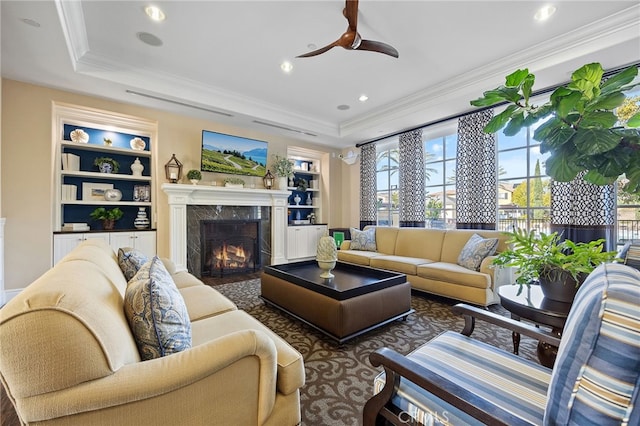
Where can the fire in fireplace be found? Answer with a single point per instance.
(229, 247)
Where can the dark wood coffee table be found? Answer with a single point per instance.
(357, 300)
(532, 305)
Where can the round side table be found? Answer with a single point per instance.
(531, 304)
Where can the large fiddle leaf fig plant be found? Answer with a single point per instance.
(582, 131)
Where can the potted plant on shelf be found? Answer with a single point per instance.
(582, 132)
(302, 185)
(283, 169)
(108, 217)
(234, 182)
(559, 266)
(106, 165)
(194, 176)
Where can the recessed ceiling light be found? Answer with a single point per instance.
(311, 46)
(155, 13)
(363, 98)
(149, 39)
(544, 13)
(31, 22)
(343, 107)
(286, 66)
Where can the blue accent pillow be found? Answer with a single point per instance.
(156, 312)
(475, 250)
(130, 261)
(363, 240)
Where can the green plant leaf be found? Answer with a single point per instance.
(567, 103)
(634, 121)
(617, 81)
(558, 137)
(515, 124)
(590, 72)
(599, 120)
(516, 78)
(499, 121)
(595, 141)
(527, 87)
(560, 167)
(596, 178)
(609, 101)
(547, 128)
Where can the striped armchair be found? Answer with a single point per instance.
(456, 380)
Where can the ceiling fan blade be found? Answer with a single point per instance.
(319, 51)
(378, 46)
(351, 13)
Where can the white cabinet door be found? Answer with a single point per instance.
(302, 241)
(295, 238)
(64, 243)
(145, 241)
(315, 233)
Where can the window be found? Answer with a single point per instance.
(387, 181)
(440, 176)
(524, 189)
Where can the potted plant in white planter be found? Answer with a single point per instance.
(283, 169)
(194, 176)
(559, 266)
(106, 165)
(234, 182)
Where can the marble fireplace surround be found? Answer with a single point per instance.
(180, 196)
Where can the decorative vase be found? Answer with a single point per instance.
(137, 167)
(560, 286)
(297, 199)
(141, 221)
(105, 168)
(291, 181)
(112, 195)
(309, 200)
(282, 183)
(326, 255)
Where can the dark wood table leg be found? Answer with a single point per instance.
(547, 353)
(515, 336)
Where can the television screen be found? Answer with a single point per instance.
(233, 154)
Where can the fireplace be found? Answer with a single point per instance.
(229, 247)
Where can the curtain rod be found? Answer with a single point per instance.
(462, 114)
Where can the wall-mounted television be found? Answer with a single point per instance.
(233, 154)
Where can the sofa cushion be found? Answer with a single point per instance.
(357, 256)
(290, 363)
(632, 256)
(156, 312)
(130, 261)
(184, 279)
(404, 265)
(420, 243)
(363, 240)
(203, 301)
(476, 249)
(450, 272)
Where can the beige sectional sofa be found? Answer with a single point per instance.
(68, 356)
(429, 259)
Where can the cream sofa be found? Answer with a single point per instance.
(67, 355)
(429, 259)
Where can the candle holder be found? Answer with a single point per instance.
(173, 169)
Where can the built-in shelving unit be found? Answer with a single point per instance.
(123, 138)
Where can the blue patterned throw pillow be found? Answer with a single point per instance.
(475, 250)
(130, 261)
(156, 312)
(363, 240)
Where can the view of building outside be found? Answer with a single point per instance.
(440, 181)
(388, 182)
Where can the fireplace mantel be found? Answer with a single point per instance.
(182, 195)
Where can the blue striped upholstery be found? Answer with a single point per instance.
(506, 380)
(632, 256)
(596, 379)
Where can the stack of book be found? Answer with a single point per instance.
(75, 227)
(69, 192)
(70, 162)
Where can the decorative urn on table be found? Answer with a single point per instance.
(327, 255)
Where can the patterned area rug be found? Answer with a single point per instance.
(339, 378)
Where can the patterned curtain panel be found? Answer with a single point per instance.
(368, 187)
(476, 175)
(582, 211)
(412, 179)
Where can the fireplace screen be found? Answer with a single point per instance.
(230, 247)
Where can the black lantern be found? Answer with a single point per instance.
(173, 169)
(268, 180)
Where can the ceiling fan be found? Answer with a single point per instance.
(351, 39)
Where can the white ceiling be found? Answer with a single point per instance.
(225, 56)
